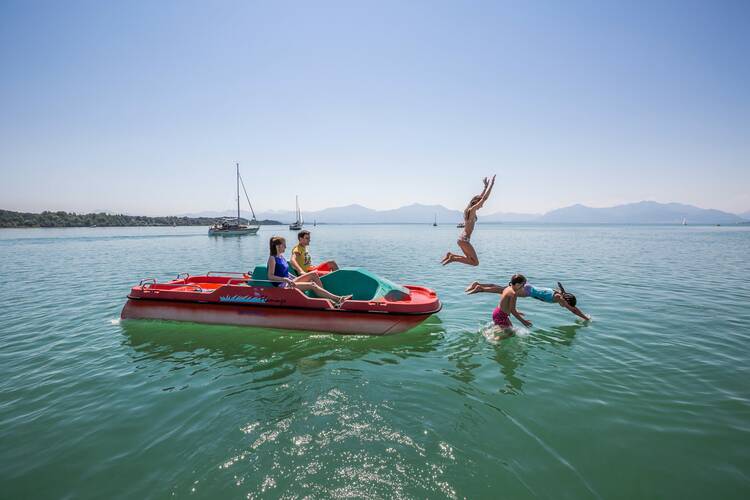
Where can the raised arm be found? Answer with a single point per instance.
(485, 194)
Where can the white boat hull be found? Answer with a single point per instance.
(232, 232)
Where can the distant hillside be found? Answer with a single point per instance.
(644, 212)
(509, 217)
(745, 215)
(357, 214)
(70, 219)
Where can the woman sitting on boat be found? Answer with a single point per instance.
(278, 274)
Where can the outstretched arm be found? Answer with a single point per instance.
(575, 310)
(518, 314)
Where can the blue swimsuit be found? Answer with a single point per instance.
(281, 270)
(543, 294)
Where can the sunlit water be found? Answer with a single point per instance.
(651, 399)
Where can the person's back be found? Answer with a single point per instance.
(539, 293)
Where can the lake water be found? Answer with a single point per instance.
(651, 399)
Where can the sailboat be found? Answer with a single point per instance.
(297, 225)
(229, 226)
(684, 221)
(434, 224)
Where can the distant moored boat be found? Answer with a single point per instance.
(297, 224)
(232, 226)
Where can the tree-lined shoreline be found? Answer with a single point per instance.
(10, 219)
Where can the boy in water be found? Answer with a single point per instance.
(518, 287)
(507, 304)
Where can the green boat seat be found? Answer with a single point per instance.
(259, 277)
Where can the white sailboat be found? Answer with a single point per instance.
(229, 226)
(684, 221)
(297, 225)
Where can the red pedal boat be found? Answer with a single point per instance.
(377, 307)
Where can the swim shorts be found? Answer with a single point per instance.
(501, 319)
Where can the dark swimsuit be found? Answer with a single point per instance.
(281, 270)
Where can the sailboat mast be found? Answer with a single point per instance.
(238, 194)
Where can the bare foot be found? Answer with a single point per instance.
(337, 304)
(473, 284)
(444, 260)
(448, 259)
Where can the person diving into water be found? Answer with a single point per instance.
(518, 287)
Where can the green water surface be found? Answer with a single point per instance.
(651, 399)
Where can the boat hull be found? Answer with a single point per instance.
(232, 232)
(248, 300)
(329, 321)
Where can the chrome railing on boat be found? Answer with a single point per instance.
(147, 283)
(225, 273)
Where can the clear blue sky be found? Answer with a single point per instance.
(143, 107)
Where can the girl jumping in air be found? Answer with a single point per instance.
(470, 218)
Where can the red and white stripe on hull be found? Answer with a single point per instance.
(334, 321)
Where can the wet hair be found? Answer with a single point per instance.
(570, 299)
(567, 297)
(275, 240)
(302, 234)
(517, 279)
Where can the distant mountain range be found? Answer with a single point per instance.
(644, 212)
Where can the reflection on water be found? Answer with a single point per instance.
(308, 412)
(511, 353)
(470, 352)
(260, 349)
